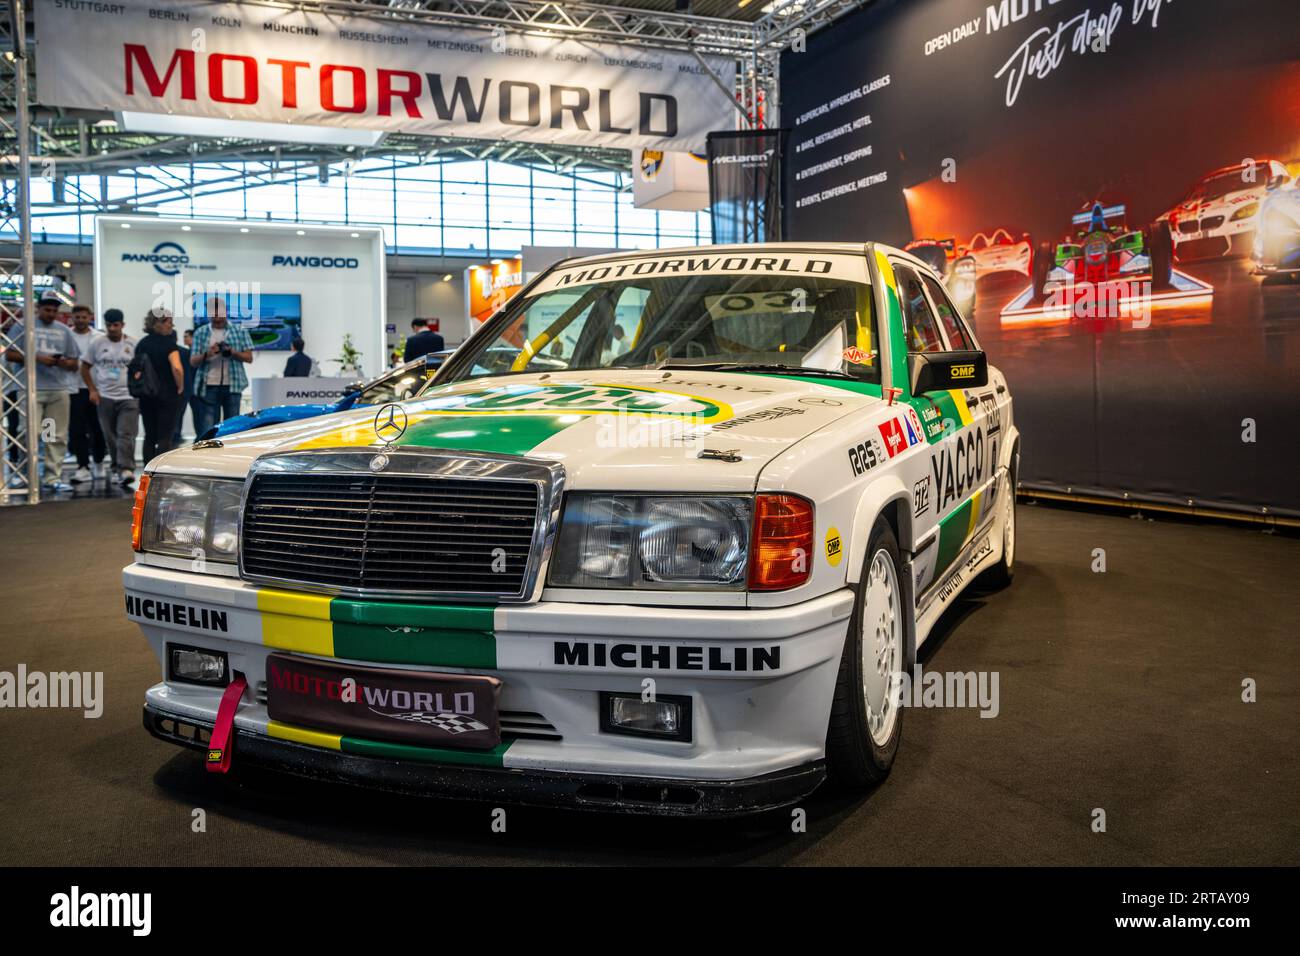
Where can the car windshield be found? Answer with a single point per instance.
(393, 387)
(781, 324)
(1221, 185)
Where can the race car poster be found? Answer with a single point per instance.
(1110, 191)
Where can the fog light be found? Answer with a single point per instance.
(193, 665)
(665, 717)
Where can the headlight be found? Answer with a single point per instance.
(192, 517)
(654, 542)
(1246, 211)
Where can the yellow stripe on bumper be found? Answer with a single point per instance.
(301, 735)
(296, 622)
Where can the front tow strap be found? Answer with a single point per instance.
(222, 743)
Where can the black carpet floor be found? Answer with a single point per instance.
(1119, 691)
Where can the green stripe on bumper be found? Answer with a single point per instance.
(437, 635)
(477, 758)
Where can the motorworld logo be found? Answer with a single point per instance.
(316, 262)
(167, 257)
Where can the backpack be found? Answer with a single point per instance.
(142, 378)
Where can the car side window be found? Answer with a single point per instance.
(958, 338)
(920, 322)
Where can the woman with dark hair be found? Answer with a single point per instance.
(158, 413)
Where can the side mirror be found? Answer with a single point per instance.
(939, 371)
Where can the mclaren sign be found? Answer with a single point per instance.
(279, 65)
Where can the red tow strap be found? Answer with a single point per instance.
(223, 741)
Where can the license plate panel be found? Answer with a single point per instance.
(461, 711)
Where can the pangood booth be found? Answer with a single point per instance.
(280, 281)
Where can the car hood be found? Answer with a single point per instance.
(622, 429)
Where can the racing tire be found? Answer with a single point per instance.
(1001, 574)
(866, 722)
(1160, 250)
(1044, 259)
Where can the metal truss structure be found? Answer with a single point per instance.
(57, 143)
(18, 443)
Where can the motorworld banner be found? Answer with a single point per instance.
(281, 65)
(1109, 188)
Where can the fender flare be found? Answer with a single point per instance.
(881, 493)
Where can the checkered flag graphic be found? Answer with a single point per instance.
(448, 723)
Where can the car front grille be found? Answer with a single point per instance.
(401, 534)
(1189, 226)
(1211, 222)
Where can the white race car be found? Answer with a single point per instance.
(1221, 206)
(662, 536)
(999, 252)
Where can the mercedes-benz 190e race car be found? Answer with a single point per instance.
(671, 558)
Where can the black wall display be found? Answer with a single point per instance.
(745, 179)
(1110, 191)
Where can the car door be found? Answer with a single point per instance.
(937, 421)
(975, 457)
(947, 490)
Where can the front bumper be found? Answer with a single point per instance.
(603, 792)
(757, 730)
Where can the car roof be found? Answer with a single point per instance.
(834, 248)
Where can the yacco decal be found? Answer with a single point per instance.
(438, 635)
(390, 751)
(528, 415)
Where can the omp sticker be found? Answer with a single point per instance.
(834, 547)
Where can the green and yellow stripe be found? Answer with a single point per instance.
(436, 635)
(390, 751)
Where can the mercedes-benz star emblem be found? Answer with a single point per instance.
(819, 401)
(390, 423)
(379, 463)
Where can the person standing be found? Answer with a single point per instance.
(103, 369)
(299, 363)
(422, 341)
(187, 397)
(219, 354)
(56, 355)
(158, 412)
(84, 436)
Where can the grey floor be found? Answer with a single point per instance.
(1119, 691)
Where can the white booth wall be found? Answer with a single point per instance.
(347, 297)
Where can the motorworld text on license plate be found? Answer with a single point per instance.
(410, 707)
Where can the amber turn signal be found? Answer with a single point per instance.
(137, 512)
(781, 550)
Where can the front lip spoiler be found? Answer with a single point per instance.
(610, 793)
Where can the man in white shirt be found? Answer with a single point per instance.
(103, 369)
(85, 439)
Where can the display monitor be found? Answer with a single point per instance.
(272, 319)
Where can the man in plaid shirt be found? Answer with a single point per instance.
(219, 353)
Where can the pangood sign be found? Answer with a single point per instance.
(228, 61)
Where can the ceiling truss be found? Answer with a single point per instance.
(81, 142)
